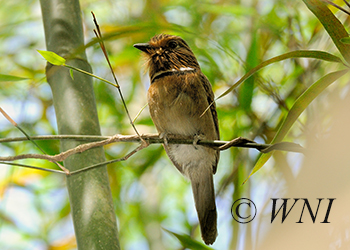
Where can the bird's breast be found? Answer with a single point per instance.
(173, 109)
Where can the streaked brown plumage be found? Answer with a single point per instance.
(178, 95)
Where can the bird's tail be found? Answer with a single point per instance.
(204, 197)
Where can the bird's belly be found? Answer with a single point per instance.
(190, 159)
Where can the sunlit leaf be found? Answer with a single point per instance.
(52, 57)
(321, 55)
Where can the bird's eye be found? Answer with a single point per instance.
(172, 44)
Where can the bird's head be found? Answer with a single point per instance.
(167, 52)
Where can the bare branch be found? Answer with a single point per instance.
(154, 138)
(145, 140)
(111, 161)
(28, 137)
(33, 167)
(56, 137)
(98, 34)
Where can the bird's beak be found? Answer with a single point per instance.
(145, 47)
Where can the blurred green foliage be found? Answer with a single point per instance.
(229, 38)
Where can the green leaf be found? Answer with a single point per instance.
(71, 74)
(188, 242)
(332, 25)
(298, 107)
(321, 55)
(9, 78)
(52, 58)
(245, 93)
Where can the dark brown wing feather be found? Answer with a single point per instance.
(210, 98)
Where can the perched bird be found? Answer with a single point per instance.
(178, 96)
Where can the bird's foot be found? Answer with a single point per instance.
(196, 139)
(164, 136)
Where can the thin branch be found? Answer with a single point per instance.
(62, 156)
(346, 2)
(111, 161)
(79, 170)
(100, 40)
(90, 74)
(153, 138)
(139, 113)
(33, 167)
(145, 140)
(8, 117)
(56, 137)
(337, 6)
(28, 137)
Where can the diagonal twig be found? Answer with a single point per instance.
(111, 161)
(337, 6)
(98, 34)
(28, 137)
(347, 4)
(33, 167)
(153, 138)
(150, 139)
(56, 137)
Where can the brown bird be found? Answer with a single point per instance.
(178, 96)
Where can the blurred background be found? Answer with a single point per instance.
(228, 38)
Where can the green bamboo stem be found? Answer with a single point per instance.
(74, 101)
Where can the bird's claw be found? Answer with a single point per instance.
(164, 136)
(196, 139)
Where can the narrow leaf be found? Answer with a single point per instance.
(298, 107)
(9, 78)
(321, 55)
(246, 91)
(188, 242)
(71, 74)
(332, 25)
(52, 58)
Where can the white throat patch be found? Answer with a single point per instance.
(171, 70)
